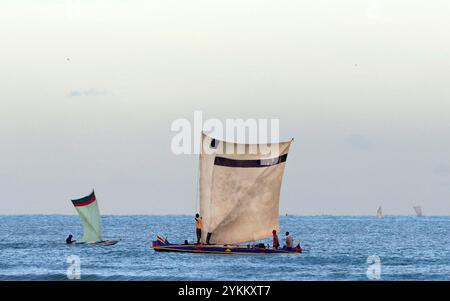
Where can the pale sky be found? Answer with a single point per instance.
(88, 93)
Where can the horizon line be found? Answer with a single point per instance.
(185, 214)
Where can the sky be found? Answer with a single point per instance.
(89, 89)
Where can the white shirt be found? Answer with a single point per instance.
(289, 241)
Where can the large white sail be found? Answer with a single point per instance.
(418, 210)
(239, 193)
(380, 212)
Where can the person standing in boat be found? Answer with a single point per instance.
(289, 241)
(275, 242)
(198, 227)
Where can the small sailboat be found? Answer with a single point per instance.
(380, 212)
(418, 210)
(239, 199)
(87, 208)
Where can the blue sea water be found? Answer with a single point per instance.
(336, 248)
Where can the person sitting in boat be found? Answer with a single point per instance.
(289, 241)
(198, 227)
(69, 240)
(275, 242)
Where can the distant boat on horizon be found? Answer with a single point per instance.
(418, 210)
(380, 212)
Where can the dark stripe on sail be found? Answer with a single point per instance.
(85, 201)
(220, 161)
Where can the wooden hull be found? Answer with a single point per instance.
(100, 243)
(220, 249)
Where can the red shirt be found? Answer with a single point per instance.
(275, 240)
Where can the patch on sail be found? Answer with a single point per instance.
(214, 143)
(221, 161)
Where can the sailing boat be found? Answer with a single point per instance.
(379, 213)
(418, 210)
(87, 208)
(239, 198)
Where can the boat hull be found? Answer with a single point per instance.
(100, 243)
(220, 249)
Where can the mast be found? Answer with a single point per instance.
(197, 177)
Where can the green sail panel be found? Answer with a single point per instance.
(89, 213)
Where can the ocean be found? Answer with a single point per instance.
(32, 247)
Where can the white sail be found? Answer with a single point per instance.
(239, 193)
(89, 213)
(418, 210)
(380, 212)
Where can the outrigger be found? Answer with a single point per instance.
(239, 193)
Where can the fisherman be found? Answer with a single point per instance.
(276, 242)
(69, 240)
(289, 241)
(198, 227)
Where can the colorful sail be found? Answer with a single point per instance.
(89, 213)
(379, 212)
(239, 192)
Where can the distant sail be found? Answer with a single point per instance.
(89, 213)
(380, 212)
(418, 210)
(239, 193)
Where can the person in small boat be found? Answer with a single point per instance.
(69, 239)
(289, 241)
(275, 242)
(198, 227)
